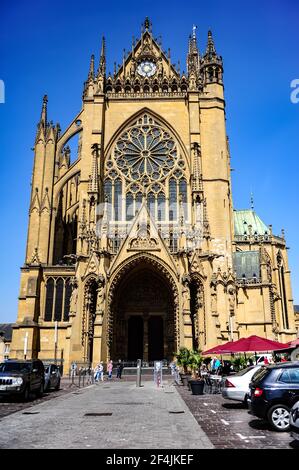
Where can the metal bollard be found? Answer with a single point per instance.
(138, 376)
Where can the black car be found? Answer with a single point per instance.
(21, 378)
(273, 391)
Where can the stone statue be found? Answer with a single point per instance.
(186, 297)
(73, 300)
(160, 67)
(199, 298)
(100, 298)
(214, 303)
(231, 299)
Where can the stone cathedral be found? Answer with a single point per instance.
(134, 247)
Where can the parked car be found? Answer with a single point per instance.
(260, 359)
(274, 389)
(294, 421)
(52, 376)
(21, 378)
(236, 387)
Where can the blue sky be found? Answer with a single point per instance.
(45, 47)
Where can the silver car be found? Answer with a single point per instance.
(52, 376)
(236, 387)
(294, 421)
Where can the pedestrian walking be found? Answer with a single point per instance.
(119, 369)
(109, 369)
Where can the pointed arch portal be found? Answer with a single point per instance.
(143, 315)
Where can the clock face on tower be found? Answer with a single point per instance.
(146, 69)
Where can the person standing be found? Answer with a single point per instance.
(73, 369)
(96, 373)
(101, 371)
(109, 369)
(217, 365)
(119, 369)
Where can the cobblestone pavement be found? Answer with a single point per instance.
(9, 406)
(114, 415)
(229, 425)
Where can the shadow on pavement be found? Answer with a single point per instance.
(260, 424)
(294, 444)
(234, 406)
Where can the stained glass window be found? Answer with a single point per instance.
(145, 159)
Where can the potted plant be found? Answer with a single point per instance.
(183, 360)
(239, 363)
(196, 384)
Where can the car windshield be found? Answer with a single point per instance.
(15, 367)
(243, 371)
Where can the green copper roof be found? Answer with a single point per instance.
(248, 217)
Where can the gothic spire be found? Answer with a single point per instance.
(43, 117)
(210, 50)
(193, 57)
(147, 24)
(212, 63)
(102, 63)
(93, 181)
(91, 69)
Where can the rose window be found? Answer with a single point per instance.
(145, 162)
(145, 150)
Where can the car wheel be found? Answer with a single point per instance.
(57, 386)
(40, 391)
(279, 417)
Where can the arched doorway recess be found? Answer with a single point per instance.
(143, 315)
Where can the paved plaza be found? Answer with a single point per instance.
(113, 415)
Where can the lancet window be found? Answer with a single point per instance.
(57, 303)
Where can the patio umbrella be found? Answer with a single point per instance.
(251, 344)
(292, 344)
(218, 349)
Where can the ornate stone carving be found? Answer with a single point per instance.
(186, 297)
(74, 298)
(143, 240)
(231, 299)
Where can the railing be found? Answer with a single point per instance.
(147, 95)
(249, 281)
(258, 238)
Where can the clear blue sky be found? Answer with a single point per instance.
(45, 47)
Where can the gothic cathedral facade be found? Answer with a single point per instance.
(134, 248)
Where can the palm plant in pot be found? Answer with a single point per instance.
(197, 382)
(183, 361)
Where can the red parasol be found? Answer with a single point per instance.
(292, 344)
(251, 344)
(218, 349)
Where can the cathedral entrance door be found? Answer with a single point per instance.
(143, 317)
(155, 338)
(135, 338)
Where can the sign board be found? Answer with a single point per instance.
(158, 373)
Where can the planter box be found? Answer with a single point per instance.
(196, 387)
